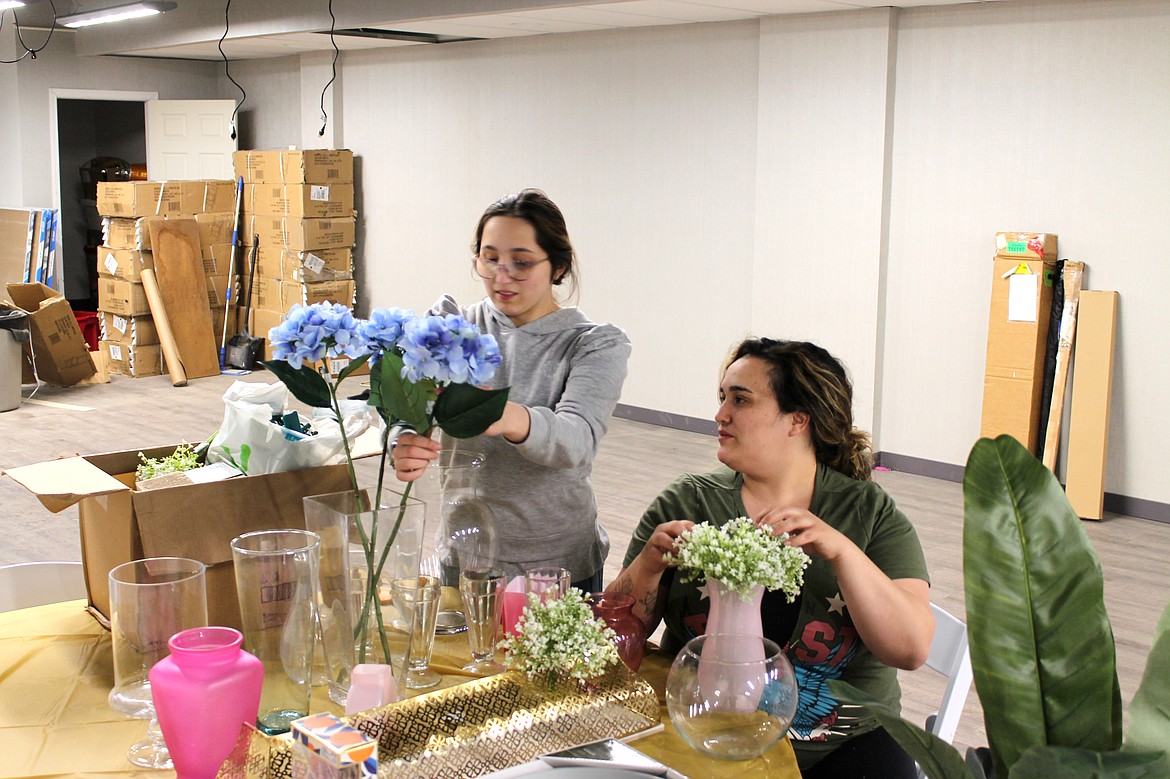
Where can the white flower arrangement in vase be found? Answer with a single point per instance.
(561, 635)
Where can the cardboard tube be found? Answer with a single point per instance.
(170, 348)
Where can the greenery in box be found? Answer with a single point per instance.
(1042, 649)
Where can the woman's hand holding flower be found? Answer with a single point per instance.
(412, 454)
(806, 531)
(653, 558)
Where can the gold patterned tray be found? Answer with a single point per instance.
(478, 727)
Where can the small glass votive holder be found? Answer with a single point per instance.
(547, 582)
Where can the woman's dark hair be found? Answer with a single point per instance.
(535, 208)
(808, 379)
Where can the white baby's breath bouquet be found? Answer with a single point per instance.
(741, 556)
(562, 635)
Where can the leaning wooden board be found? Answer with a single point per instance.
(178, 264)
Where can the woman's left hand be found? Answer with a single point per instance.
(514, 425)
(805, 530)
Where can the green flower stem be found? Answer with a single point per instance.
(362, 627)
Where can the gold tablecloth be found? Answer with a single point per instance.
(56, 671)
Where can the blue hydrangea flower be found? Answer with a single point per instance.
(448, 350)
(309, 333)
(383, 329)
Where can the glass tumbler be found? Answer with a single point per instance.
(547, 582)
(277, 586)
(482, 590)
(417, 599)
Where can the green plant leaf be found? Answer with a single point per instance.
(1041, 645)
(353, 366)
(304, 383)
(464, 411)
(397, 399)
(1149, 711)
(1072, 763)
(936, 758)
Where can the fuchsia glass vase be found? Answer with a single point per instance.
(203, 692)
(615, 609)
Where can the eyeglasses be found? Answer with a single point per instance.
(517, 270)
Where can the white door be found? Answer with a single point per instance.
(189, 139)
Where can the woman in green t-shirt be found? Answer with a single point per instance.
(795, 464)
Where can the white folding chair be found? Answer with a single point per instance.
(949, 656)
(24, 585)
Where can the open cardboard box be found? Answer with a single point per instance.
(119, 523)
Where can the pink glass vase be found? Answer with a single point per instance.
(615, 609)
(203, 692)
(734, 660)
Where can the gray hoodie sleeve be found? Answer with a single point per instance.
(568, 434)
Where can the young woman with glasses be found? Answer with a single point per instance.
(565, 373)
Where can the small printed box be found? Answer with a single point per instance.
(324, 747)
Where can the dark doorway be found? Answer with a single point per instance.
(88, 129)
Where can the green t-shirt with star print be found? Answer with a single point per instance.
(824, 644)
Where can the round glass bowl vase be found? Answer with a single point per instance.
(731, 696)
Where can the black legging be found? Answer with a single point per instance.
(874, 755)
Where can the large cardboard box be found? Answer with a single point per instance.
(290, 166)
(131, 359)
(123, 263)
(59, 350)
(299, 200)
(208, 195)
(127, 232)
(273, 262)
(276, 295)
(138, 198)
(128, 329)
(118, 296)
(1021, 299)
(120, 523)
(215, 228)
(298, 235)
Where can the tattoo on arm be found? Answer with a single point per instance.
(623, 585)
(649, 603)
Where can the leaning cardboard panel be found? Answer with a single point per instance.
(119, 523)
(1021, 298)
(59, 349)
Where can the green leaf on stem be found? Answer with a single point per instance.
(465, 411)
(1149, 712)
(1049, 762)
(353, 366)
(306, 385)
(397, 399)
(1042, 648)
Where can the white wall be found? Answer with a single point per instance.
(1031, 116)
(835, 177)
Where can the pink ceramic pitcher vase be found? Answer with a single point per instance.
(730, 619)
(203, 692)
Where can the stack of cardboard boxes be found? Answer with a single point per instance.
(299, 216)
(129, 338)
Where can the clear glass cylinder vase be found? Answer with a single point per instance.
(363, 549)
(466, 535)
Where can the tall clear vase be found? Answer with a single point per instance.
(466, 535)
(356, 541)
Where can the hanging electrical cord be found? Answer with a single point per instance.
(29, 51)
(336, 51)
(226, 67)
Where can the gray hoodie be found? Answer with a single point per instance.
(568, 371)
